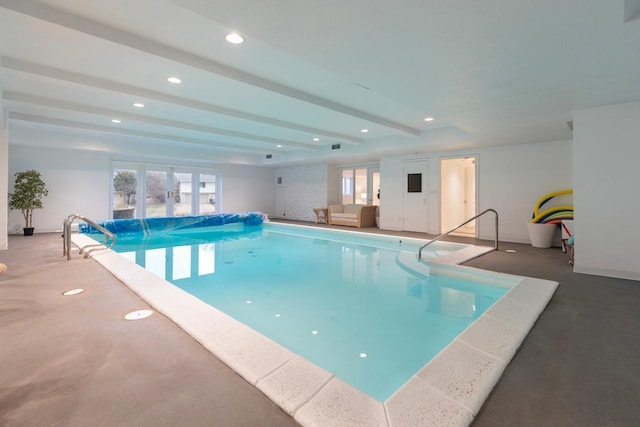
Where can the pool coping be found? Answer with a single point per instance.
(449, 390)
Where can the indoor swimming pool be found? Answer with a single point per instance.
(345, 303)
(335, 326)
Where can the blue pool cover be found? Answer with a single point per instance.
(149, 225)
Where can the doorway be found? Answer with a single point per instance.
(458, 195)
(373, 186)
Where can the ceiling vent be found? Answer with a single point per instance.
(335, 147)
(269, 156)
(570, 124)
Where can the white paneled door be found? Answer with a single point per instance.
(415, 200)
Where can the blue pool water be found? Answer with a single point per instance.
(340, 300)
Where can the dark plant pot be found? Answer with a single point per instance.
(28, 231)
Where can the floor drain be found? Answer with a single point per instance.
(137, 315)
(73, 292)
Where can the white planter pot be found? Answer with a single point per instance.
(541, 235)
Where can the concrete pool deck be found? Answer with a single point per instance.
(449, 390)
(67, 356)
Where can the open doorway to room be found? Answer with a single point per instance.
(374, 187)
(458, 194)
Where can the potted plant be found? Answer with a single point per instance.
(28, 191)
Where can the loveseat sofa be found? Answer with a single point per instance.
(352, 215)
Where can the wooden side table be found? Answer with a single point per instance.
(321, 214)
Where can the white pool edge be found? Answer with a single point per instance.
(450, 389)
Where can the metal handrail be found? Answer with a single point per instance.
(462, 225)
(66, 236)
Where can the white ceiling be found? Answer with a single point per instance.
(491, 72)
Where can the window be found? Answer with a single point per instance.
(414, 183)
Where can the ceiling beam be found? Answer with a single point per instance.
(89, 109)
(105, 32)
(32, 118)
(104, 84)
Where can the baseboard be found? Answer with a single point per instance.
(606, 272)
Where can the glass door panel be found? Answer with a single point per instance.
(207, 194)
(361, 187)
(347, 186)
(182, 192)
(156, 191)
(125, 183)
(358, 186)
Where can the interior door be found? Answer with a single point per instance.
(415, 200)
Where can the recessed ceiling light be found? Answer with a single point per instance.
(428, 119)
(116, 121)
(364, 130)
(278, 146)
(234, 38)
(174, 80)
(316, 139)
(138, 104)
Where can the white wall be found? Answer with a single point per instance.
(4, 179)
(306, 187)
(334, 183)
(510, 180)
(607, 190)
(78, 182)
(247, 188)
(391, 190)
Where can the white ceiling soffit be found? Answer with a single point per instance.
(313, 74)
(631, 10)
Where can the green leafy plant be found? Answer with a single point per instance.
(125, 181)
(28, 191)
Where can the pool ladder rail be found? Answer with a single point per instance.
(459, 226)
(86, 249)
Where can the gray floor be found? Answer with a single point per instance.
(73, 361)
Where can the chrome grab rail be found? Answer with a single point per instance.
(462, 225)
(66, 236)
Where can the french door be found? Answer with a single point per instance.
(361, 186)
(158, 194)
(147, 191)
